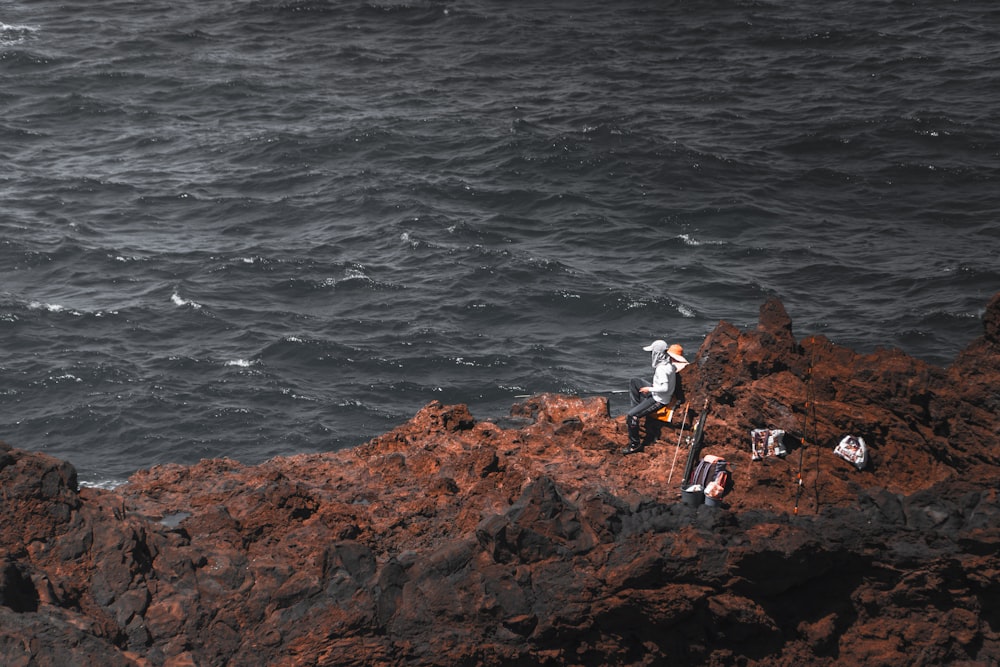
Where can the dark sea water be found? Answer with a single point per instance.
(260, 228)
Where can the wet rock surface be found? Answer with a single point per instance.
(453, 541)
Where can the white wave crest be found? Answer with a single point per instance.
(354, 273)
(180, 301)
(692, 241)
(52, 308)
(106, 484)
(15, 34)
(59, 308)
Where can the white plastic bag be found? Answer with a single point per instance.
(853, 450)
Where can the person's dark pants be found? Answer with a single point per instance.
(642, 405)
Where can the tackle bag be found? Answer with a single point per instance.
(853, 450)
(712, 474)
(767, 442)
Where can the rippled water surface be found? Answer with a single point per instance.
(249, 229)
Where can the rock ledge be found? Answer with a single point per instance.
(450, 541)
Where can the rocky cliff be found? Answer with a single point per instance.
(452, 541)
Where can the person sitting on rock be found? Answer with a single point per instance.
(648, 398)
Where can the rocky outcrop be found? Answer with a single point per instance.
(453, 541)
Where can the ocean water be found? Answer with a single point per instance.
(259, 228)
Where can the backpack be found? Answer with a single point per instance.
(712, 474)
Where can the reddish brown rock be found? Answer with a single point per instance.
(454, 541)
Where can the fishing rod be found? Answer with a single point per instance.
(810, 404)
(695, 445)
(583, 393)
(678, 448)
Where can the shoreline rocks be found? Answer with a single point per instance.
(455, 541)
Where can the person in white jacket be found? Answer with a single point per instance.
(648, 398)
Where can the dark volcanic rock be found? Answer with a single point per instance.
(451, 541)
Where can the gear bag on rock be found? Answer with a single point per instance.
(767, 442)
(712, 474)
(853, 450)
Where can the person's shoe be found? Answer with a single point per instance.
(633, 448)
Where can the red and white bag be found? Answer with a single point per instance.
(712, 474)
